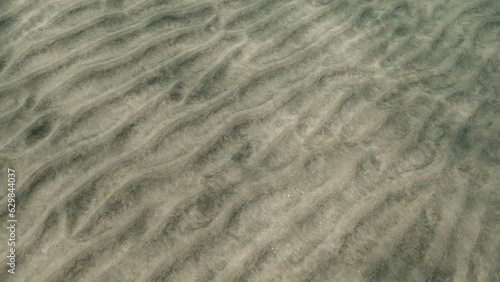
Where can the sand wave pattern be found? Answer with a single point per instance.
(306, 140)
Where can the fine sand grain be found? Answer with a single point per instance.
(251, 140)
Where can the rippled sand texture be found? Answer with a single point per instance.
(252, 140)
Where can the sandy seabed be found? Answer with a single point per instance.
(251, 140)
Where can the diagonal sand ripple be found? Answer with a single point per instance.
(251, 140)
